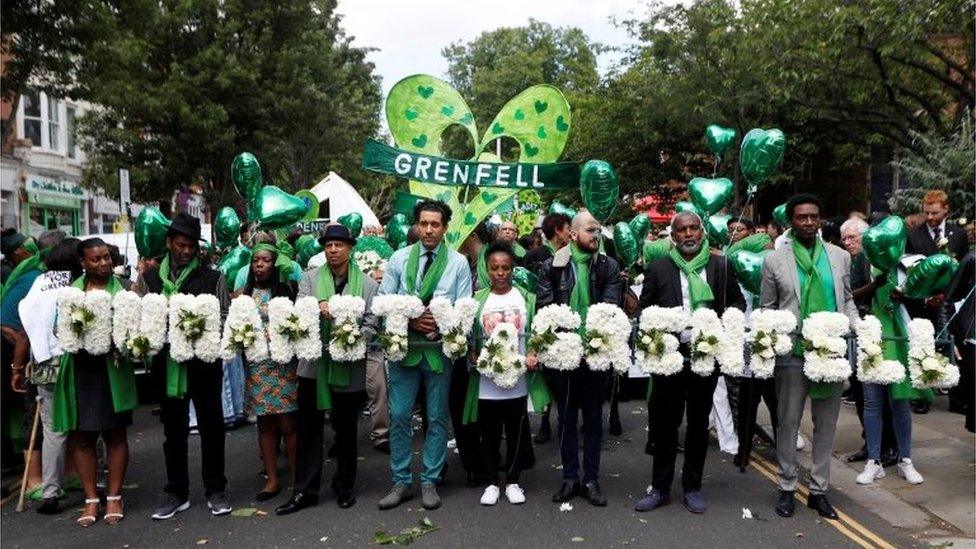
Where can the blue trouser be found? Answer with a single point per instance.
(579, 391)
(901, 420)
(404, 382)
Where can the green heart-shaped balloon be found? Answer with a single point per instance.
(748, 269)
(246, 173)
(761, 154)
(626, 244)
(525, 279)
(273, 208)
(656, 250)
(233, 261)
(640, 225)
(599, 188)
(930, 276)
(719, 139)
(685, 206)
(710, 195)
(352, 221)
(306, 247)
(718, 229)
(150, 232)
(226, 227)
(779, 215)
(396, 230)
(884, 243)
(376, 244)
(560, 208)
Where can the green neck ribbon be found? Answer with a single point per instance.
(579, 299)
(482, 268)
(813, 299)
(175, 371)
(32, 263)
(435, 359)
(699, 292)
(328, 372)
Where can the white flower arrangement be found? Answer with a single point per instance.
(455, 322)
(607, 338)
(194, 327)
(499, 359)
(770, 337)
(871, 364)
(85, 321)
(396, 310)
(139, 324)
(656, 349)
(347, 344)
(555, 339)
(927, 368)
(243, 331)
(369, 261)
(706, 341)
(731, 348)
(824, 347)
(293, 329)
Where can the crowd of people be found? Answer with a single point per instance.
(85, 402)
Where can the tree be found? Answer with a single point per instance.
(182, 87)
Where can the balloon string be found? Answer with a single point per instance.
(953, 317)
(715, 165)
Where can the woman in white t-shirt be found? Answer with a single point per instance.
(498, 409)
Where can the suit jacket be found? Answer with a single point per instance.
(533, 260)
(662, 284)
(920, 241)
(964, 324)
(781, 286)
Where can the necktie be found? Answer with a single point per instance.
(427, 264)
(936, 234)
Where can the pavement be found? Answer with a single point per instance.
(890, 514)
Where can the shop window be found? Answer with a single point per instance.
(53, 124)
(31, 102)
(69, 128)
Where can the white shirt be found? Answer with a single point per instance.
(503, 308)
(942, 231)
(685, 335)
(38, 311)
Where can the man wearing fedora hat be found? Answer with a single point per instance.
(325, 385)
(181, 272)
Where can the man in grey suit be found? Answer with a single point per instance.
(809, 275)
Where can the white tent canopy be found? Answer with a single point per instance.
(343, 199)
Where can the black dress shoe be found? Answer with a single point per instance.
(593, 494)
(786, 505)
(858, 456)
(265, 495)
(48, 507)
(567, 491)
(820, 504)
(297, 502)
(382, 447)
(345, 499)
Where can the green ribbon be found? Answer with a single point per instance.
(175, 371)
(813, 298)
(435, 359)
(32, 263)
(121, 379)
(283, 263)
(579, 299)
(328, 372)
(482, 268)
(699, 292)
(892, 325)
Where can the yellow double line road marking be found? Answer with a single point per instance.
(852, 529)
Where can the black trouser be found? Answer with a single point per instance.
(512, 417)
(204, 385)
(967, 371)
(576, 391)
(467, 437)
(692, 392)
(888, 443)
(346, 409)
(744, 396)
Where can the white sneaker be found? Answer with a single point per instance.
(872, 470)
(907, 470)
(452, 444)
(490, 497)
(515, 494)
(801, 442)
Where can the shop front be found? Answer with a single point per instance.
(53, 204)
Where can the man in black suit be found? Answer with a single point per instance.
(937, 236)
(963, 329)
(690, 278)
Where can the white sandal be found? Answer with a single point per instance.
(117, 516)
(87, 520)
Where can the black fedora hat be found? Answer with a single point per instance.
(186, 225)
(336, 231)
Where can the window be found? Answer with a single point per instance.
(69, 128)
(54, 124)
(32, 117)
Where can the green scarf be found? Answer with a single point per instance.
(435, 359)
(283, 264)
(175, 371)
(482, 268)
(813, 298)
(121, 379)
(549, 245)
(699, 292)
(892, 325)
(656, 250)
(535, 381)
(579, 299)
(32, 263)
(328, 372)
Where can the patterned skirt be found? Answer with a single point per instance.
(271, 388)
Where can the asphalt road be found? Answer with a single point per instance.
(462, 521)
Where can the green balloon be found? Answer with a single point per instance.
(525, 279)
(274, 208)
(560, 208)
(748, 268)
(684, 206)
(599, 188)
(719, 139)
(233, 261)
(710, 195)
(374, 243)
(656, 250)
(884, 243)
(754, 243)
(761, 154)
(931, 276)
(396, 230)
(306, 247)
(779, 215)
(718, 229)
(626, 244)
(640, 225)
(150, 232)
(227, 228)
(246, 173)
(352, 221)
